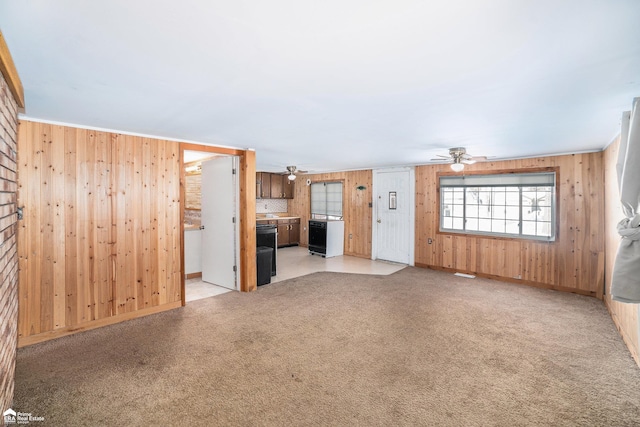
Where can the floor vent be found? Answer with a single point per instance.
(468, 276)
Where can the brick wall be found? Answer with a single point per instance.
(8, 249)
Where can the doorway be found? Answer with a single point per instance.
(393, 216)
(211, 236)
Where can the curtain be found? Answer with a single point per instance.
(625, 283)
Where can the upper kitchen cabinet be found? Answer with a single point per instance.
(273, 186)
(281, 187)
(276, 186)
(263, 185)
(288, 187)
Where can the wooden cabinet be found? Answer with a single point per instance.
(288, 232)
(283, 233)
(276, 186)
(273, 186)
(263, 185)
(294, 231)
(288, 187)
(281, 187)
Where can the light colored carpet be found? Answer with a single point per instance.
(417, 347)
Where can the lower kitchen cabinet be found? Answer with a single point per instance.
(294, 231)
(288, 232)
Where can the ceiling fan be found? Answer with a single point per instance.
(458, 157)
(292, 170)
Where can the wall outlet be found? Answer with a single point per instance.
(350, 236)
(429, 240)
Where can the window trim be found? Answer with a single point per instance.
(327, 181)
(489, 235)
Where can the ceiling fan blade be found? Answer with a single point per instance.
(459, 155)
(479, 158)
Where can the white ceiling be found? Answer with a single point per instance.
(334, 85)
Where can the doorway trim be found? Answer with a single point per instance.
(412, 209)
(247, 212)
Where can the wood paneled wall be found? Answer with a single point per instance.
(625, 316)
(100, 240)
(574, 262)
(355, 208)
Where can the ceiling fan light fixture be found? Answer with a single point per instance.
(292, 173)
(457, 166)
(458, 157)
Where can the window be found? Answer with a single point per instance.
(509, 205)
(326, 200)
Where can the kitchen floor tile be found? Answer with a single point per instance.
(296, 261)
(196, 289)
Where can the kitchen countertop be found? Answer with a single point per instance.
(284, 216)
(196, 226)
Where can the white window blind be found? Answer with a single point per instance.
(500, 180)
(326, 199)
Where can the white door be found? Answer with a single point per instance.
(219, 211)
(393, 216)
